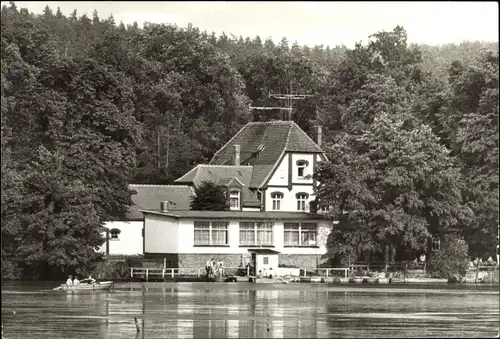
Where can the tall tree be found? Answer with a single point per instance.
(388, 176)
(474, 104)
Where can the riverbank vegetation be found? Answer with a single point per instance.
(90, 105)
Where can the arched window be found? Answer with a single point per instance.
(234, 199)
(302, 201)
(277, 198)
(302, 168)
(114, 234)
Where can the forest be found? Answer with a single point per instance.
(90, 106)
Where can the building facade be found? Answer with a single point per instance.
(124, 237)
(266, 170)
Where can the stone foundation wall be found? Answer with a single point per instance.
(194, 260)
(198, 260)
(307, 261)
(157, 260)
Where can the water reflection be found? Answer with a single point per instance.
(250, 311)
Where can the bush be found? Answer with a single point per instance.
(452, 260)
(10, 270)
(112, 269)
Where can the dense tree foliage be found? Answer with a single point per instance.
(209, 197)
(90, 105)
(453, 260)
(401, 168)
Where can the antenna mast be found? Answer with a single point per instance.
(289, 98)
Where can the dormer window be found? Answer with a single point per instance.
(302, 168)
(277, 198)
(234, 199)
(302, 201)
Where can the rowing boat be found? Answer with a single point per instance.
(101, 286)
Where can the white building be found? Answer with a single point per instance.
(125, 237)
(267, 170)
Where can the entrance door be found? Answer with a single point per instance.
(267, 264)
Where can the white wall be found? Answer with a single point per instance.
(166, 235)
(161, 234)
(270, 268)
(280, 176)
(280, 179)
(289, 202)
(309, 169)
(129, 240)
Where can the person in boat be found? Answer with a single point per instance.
(69, 282)
(88, 280)
(76, 281)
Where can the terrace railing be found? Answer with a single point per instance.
(172, 272)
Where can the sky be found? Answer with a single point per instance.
(308, 23)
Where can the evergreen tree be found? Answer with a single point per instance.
(209, 197)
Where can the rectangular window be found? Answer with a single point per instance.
(264, 233)
(301, 168)
(301, 171)
(297, 234)
(256, 233)
(301, 202)
(308, 235)
(276, 204)
(234, 200)
(247, 233)
(265, 260)
(210, 233)
(219, 233)
(292, 234)
(277, 200)
(436, 244)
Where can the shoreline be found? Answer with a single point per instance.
(324, 282)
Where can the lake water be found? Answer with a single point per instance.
(246, 310)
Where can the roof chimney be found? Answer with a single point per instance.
(319, 135)
(236, 155)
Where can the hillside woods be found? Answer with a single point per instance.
(90, 105)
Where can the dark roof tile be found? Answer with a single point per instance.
(214, 173)
(150, 196)
(223, 175)
(261, 145)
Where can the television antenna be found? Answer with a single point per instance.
(289, 99)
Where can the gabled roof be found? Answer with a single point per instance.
(233, 181)
(262, 144)
(150, 196)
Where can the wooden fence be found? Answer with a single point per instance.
(172, 272)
